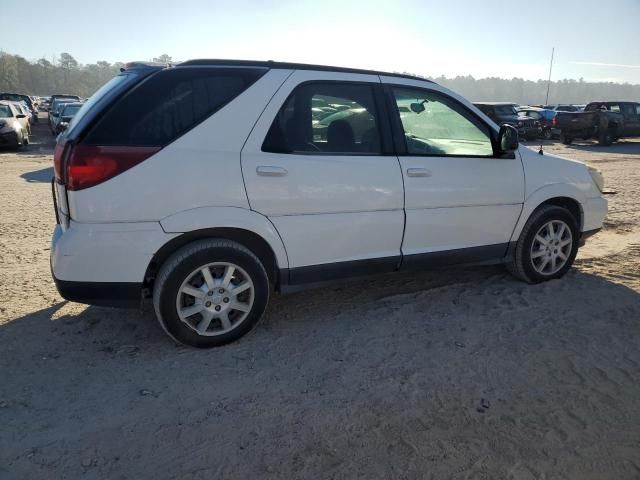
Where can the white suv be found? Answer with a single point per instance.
(208, 185)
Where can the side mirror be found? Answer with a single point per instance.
(21, 115)
(507, 139)
(417, 107)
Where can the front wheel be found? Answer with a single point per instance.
(210, 293)
(566, 139)
(547, 245)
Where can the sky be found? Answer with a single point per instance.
(597, 40)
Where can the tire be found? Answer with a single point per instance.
(547, 134)
(526, 268)
(185, 265)
(566, 139)
(19, 139)
(25, 138)
(606, 137)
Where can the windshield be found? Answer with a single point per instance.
(5, 111)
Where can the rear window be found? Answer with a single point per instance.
(70, 110)
(170, 103)
(505, 110)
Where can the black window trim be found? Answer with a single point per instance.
(382, 122)
(399, 134)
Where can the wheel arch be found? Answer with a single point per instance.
(248, 228)
(251, 240)
(558, 196)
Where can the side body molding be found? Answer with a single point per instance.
(228, 217)
(543, 194)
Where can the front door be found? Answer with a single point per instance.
(459, 196)
(320, 167)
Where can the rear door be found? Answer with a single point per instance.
(459, 196)
(319, 163)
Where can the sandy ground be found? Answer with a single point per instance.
(461, 373)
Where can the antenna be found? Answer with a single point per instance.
(546, 102)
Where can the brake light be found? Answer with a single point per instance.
(89, 165)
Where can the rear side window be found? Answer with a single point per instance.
(170, 103)
(326, 118)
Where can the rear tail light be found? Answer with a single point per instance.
(553, 121)
(89, 165)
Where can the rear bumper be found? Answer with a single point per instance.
(104, 264)
(109, 294)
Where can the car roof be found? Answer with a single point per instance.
(293, 66)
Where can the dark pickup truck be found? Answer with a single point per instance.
(605, 121)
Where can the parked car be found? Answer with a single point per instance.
(563, 108)
(153, 200)
(12, 129)
(54, 112)
(44, 104)
(17, 97)
(543, 119)
(64, 95)
(504, 113)
(67, 112)
(24, 116)
(605, 121)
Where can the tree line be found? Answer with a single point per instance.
(66, 75)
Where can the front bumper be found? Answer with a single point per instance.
(594, 212)
(9, 138)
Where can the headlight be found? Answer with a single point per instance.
(596, 176)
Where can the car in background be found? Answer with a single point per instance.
(25, 115)
(44, 104)
(67, 112)
(504, 113)
(605, 121)
(18, 97)
(563, 108)
(12, 130)
(54, 111)
(542, 117)
(64, 95)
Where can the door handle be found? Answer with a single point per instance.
(270, 171)
(418, 172)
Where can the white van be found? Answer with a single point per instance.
(209, 185)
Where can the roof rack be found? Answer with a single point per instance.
(295, 66)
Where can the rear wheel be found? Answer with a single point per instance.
(210, 292)
(566, 139)
(547, 134)
(547, 245)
